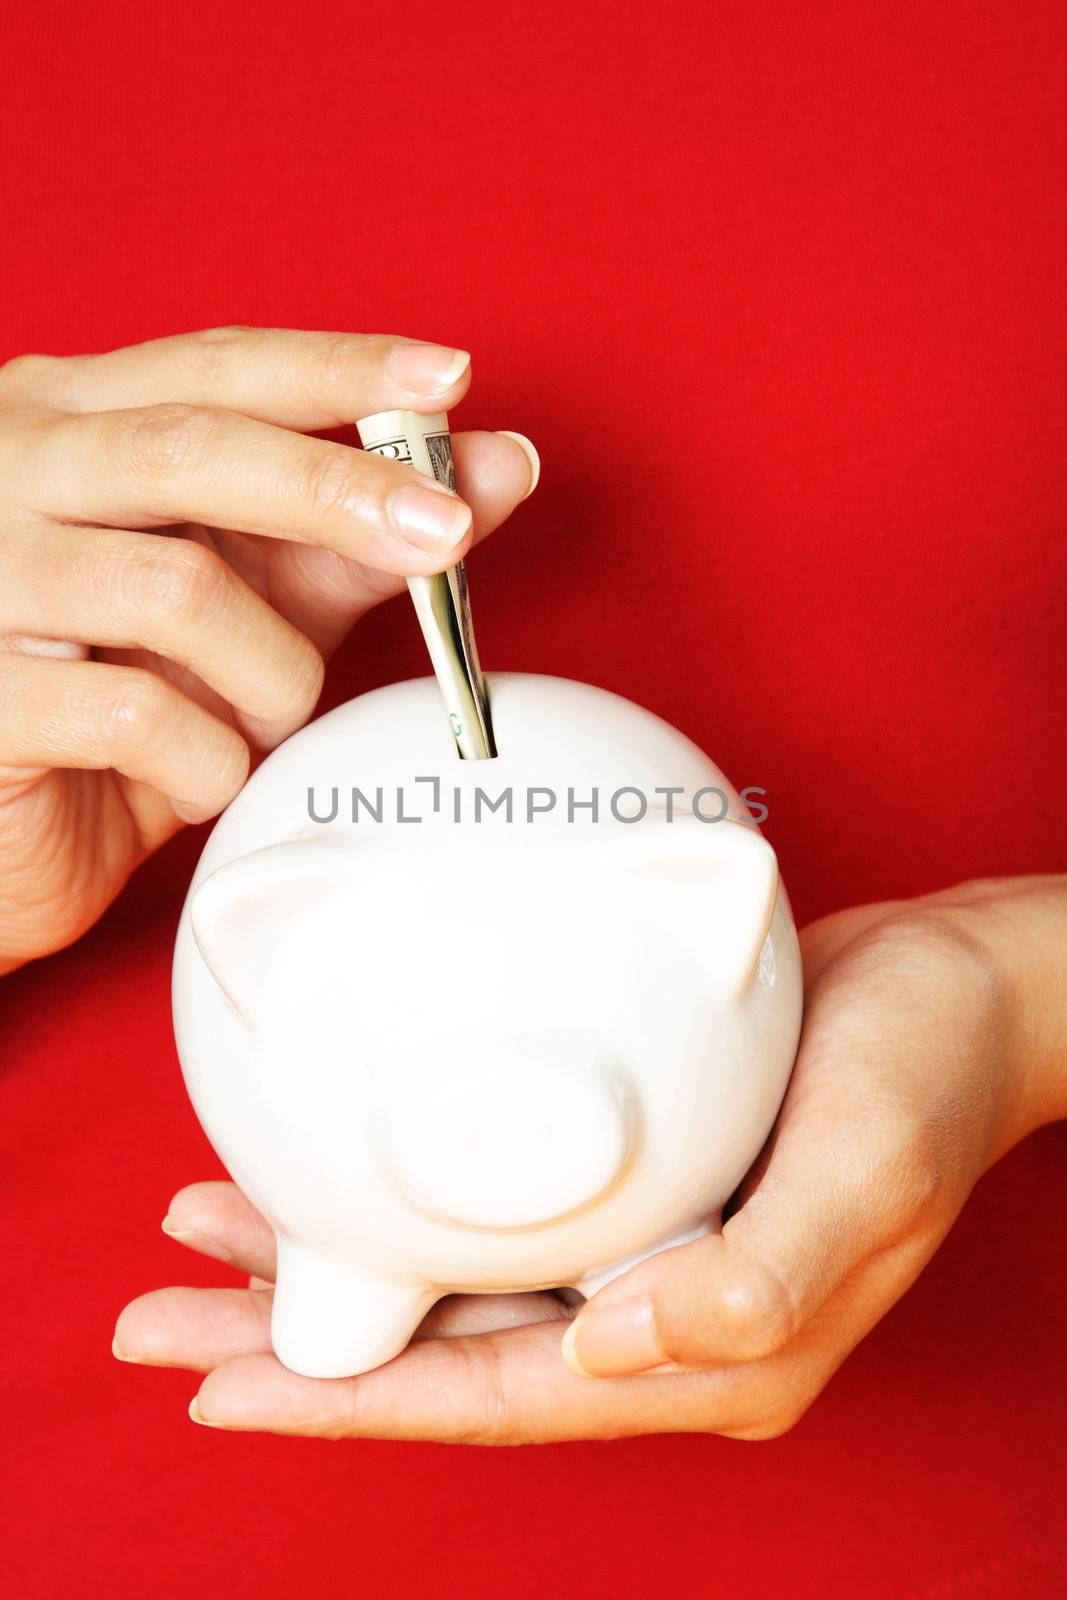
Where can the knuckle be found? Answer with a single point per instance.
(483, 1376)
(329, 485)
(756, 1311)
(134, 709)
(212, 338)
(339, 356)
(335, 359)
(212, 349)
(187, 581)
(164, 437)
(931, 928)
(924, 945)
(29, 372)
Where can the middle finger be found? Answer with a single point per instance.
(181, 463)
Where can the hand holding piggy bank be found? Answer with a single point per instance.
(480, 1026)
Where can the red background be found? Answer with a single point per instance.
(777, 290)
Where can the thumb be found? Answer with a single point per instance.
(709, 1303)
(884, 1129)
(836, 1187)
(323, 593)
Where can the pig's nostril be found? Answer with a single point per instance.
(510, 1146)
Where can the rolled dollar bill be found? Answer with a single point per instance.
(442, 602)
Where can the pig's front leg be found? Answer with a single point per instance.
(333, 1319)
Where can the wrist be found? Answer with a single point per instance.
(1019, 925)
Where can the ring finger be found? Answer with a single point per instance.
(95, 715)
(172, 596)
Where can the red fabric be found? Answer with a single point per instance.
(777, 290)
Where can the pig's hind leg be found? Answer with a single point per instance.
(334, 1319)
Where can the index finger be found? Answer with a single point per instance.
(508, 1387)
(293, 377)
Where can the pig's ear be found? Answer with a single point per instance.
(241, 911)
(724, 878)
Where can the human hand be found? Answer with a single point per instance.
(935, 1037)
(179, 557)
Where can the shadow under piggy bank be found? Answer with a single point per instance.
(481, 1026)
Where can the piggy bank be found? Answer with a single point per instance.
(480, 1026)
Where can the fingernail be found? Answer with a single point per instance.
(188, 813)
(428, 519)
(119, 1353)
(194, 1413)
(615, 1338)
(531, 455)
(426, 368)
(195, 1241)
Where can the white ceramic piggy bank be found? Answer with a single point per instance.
(487, 1049)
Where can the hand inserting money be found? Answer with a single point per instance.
(179, 557)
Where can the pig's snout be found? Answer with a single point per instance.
(510, 1138)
